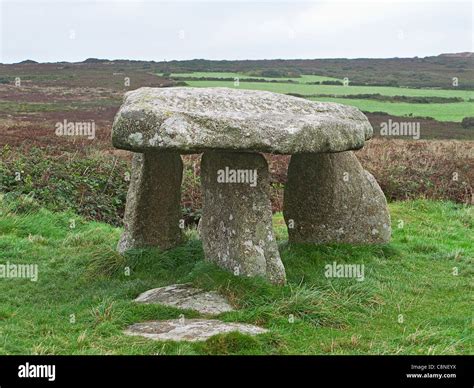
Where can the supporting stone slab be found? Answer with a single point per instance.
(153, 211)
(330, 198)
(236, 227)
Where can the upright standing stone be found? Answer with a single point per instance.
(236, 225)
(153, 209)
(331, 198)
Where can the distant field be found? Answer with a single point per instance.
(455, 111)
(306, 89)
(441, 112)
(303, 79)
(425, 72)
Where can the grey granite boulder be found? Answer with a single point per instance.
(236, 226)
(330, 198)
(153, 209)
(191, 120)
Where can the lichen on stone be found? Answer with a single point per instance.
(194, 120)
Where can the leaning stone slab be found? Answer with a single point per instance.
(236, 223)
(153, 209)
(185, 296)
(330, 198)
(194, 120)
(192, 330)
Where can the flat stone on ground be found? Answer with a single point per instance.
(192, 330)
(185, 296)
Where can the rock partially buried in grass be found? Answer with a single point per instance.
(192, 330)
(185, 296)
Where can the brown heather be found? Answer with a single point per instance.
(422, 168)
(92, 182)
(404, 169)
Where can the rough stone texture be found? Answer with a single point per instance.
(324, 207)
(192, 330)
(236, 227)
(193, 120)
(153, 211)
(184, 296)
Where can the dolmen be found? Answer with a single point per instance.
(328, 198)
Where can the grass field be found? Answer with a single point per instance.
(306, 89)
(412, 300)
(441, 112)
(302, 80)
(454, 111)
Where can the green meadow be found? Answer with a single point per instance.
(307, 89)
(415, 297)
(302, 80)
(452, 111)
(440, 112)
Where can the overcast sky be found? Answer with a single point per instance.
(158, 30)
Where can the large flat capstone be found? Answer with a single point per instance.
(194, 120)
(189, 329)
